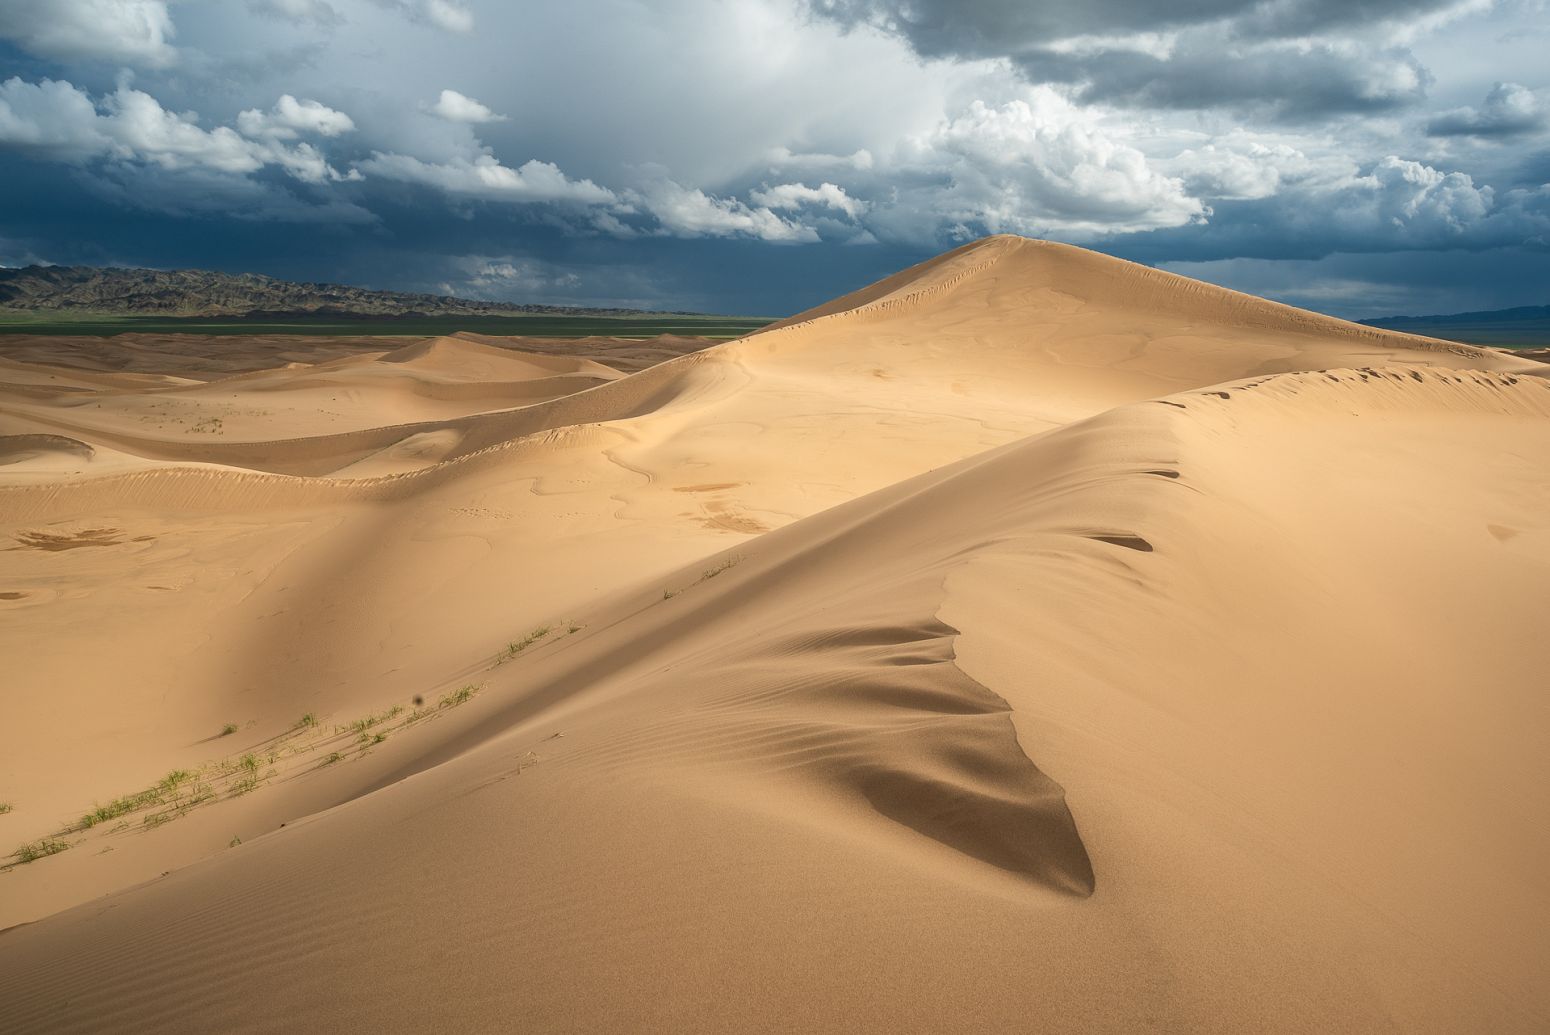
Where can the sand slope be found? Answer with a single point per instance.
(1033, 641)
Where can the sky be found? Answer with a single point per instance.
(1359, 157)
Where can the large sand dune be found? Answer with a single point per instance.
(1031, 642)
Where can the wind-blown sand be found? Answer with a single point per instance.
(1030, 642)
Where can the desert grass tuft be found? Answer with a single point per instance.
(360, 726)
(462, 695)
(5, 807)
(242, 786)
(35, 850)
(708, 573)
(228, 729)
(121, 807)
(516, 647)
(198, 794)
(172, 781)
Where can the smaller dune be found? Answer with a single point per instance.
(15, 449)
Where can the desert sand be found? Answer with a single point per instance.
(1032, 641)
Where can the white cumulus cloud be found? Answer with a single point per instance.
(1509, 110)
(690, 212)
(290, 118)
(457, 107)
(1239, 168)
(788, 196)
(1041, 164)
(451, 16)
(57, 119)
(136, 32)
(485, 177)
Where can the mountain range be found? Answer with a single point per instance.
(1519, 327)
(123, 291)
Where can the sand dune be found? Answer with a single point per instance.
(1032, 641)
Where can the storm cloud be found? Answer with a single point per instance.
(763, 155)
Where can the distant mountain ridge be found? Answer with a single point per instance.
(127, 291)
(1519, 327)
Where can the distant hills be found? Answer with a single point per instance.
(118, 291)
(1522, 327)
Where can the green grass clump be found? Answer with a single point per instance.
(155, 820)
(331, 759)
(243, 786)
(228, 729)
(307, 721)
(234, 842)
(172, 781)
(462, 695)
(5, 807)
(35, 850)
(121, 807)
(516, 647)
(542, 325)
(710, 573)
(360, 726)
(248, 763)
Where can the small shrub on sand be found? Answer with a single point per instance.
(228, 729)
(243, 786)
(34, 850)
(172, 781)
(710, 573)
(462, 695)
(5, 807)
(516, 647)
(307, 721)
(360, 726)
(121, 806)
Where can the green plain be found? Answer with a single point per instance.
(541, 325)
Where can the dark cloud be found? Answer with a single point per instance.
(550, 153)
(1509, 110)
(1005, 28)
(1396, 206)
(1370, 285)
(1204, 70)
(1295, 58)
(131, 32)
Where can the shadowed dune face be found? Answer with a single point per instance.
(1029, 641)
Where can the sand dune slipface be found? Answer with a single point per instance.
(1032, 641)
